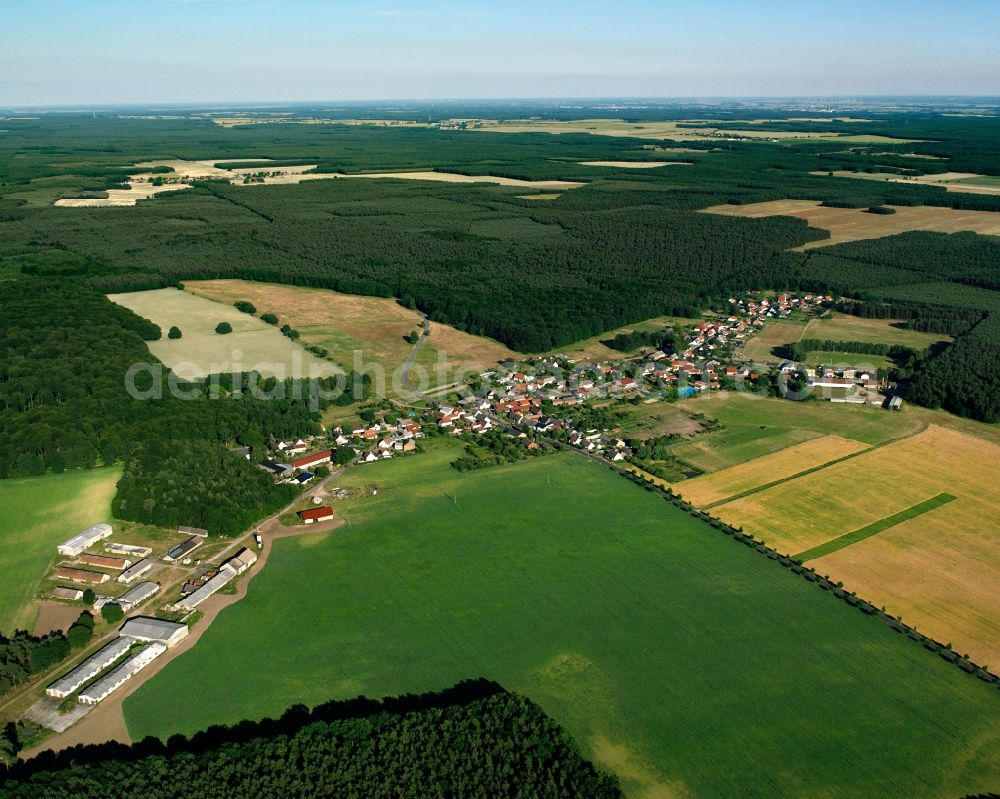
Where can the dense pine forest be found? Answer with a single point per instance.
(475, 740)
(627, 246)
(64, 353)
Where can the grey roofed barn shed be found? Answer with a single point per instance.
(148, 628)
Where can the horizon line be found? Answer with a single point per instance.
(263, 103)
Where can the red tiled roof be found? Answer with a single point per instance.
(316, 457)
(316, 513)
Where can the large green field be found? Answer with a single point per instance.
(678, 658)
(37, 514)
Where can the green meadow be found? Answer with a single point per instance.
(36, 515)
(683, 661)
(753, 426)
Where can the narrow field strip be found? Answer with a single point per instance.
(874, 528)
(795, 476)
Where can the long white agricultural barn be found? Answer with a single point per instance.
(89, 537)
(89, 669)
(104, 686)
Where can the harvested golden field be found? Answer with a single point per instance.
(939, 569)
(843, 327)
(785, 463)
(374, 327)
(854, 224)
(252, 344)
(451, 177)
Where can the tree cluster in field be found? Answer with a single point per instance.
(666, 340)
(654, 455)
(474, 740)
(23, 655)
(197, 483)
(494, 448)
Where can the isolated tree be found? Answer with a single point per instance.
(223, 327)
(112, 613)
(174, 332)
(89, 597)
(80, 632)
(246, 307)
(270, 318)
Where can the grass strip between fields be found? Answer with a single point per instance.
(874, 528)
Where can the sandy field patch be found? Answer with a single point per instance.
(122, 198)
(253, 344)
(779, 465)
(451, 177)
(190, 169)
(345, 323)
(539, 196)
(674, 130)
(854, 224)
(634, 164)
(940, 569)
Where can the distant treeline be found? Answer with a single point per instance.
(474, 740)
(799, 350)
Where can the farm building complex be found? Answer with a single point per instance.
(78, 543)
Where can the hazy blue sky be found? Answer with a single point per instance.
(136, 51)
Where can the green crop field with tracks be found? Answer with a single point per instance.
(643, 631)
